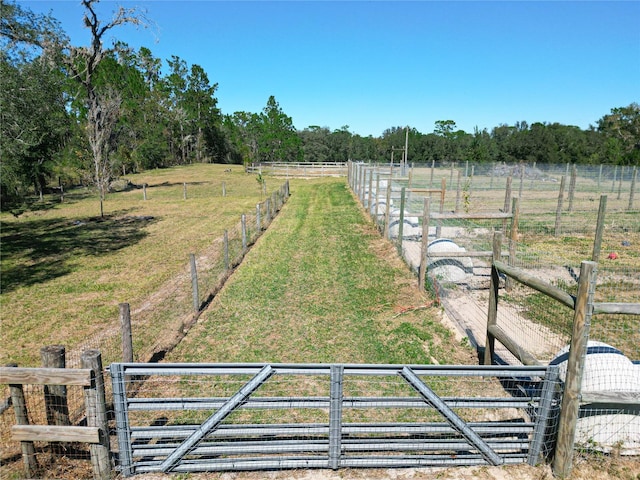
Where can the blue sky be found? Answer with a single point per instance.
(373, 65)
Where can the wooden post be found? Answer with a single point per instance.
(522, 168)
(267, 207)
(633, 187)
(386, 213)
(599, 177)
(451, 179)
(493, 172)
(422, 272)
(144, 192)
(95, 404)
(258, 224)
(615, 175)
(597, 242)
(243, 223)
(575, 369)
(507, 203)
(125, 328)
(184, 190)
(443, 189)
(513, 239)
(401, 221)
(572, 186)
(374, 213)
(559, 207)
(194, 282)
(227, 265)
(370, 196)
(433, 166)
(620, 182)
(492, 315)
(55, 396)
(22, 418)
(224, 189)
(457, 209)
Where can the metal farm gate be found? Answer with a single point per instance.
(226, 417)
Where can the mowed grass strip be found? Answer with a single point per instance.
(321, 286)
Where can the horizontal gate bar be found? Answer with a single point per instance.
(298, 446)
(234, 430)
(260, 463)
(147, 369)
(138, 404)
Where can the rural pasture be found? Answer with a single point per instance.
(319, 286)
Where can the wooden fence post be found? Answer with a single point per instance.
(401, 220)
(184, 190)
(144, 191)
(258, 224)
(226, 249)
(615, 175)
(55, 396)
(387, 210)
(575, 369)
(522, 169)
(194, 282)
(513, 239)
(127, 337)
(22, 418)
(433, 166)
(620, 182)
(633, 187)
(243, 223)
(558, 225)
(224, 189)
(507, 202)
(370, 193)
(422, 272)
(96, 411)
(457, 209)
(492, 315)
(572, 186)
(597, 242)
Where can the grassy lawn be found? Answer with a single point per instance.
(65, 269)
(321, 286)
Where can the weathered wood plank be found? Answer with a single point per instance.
(535, 283)
(611, 397)
(621, 308)
(53, 433)
(520, 353)
(45, 376)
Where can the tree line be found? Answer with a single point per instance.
(88, 114)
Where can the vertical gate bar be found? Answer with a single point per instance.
(214, 420)
(544, 414)
(335, 416)
(454, 420)
(122, 419)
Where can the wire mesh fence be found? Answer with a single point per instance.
(558, 217)
(157, 324)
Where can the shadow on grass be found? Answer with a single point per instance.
(40, 250)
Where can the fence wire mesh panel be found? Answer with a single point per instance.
(188, 417)
(558, 216)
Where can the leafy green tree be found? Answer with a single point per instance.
(279, 140)
(33, 119)
(622, 129)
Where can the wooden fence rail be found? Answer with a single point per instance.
(95, 433)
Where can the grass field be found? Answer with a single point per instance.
(319, 288)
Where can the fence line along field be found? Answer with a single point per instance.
(65, 269)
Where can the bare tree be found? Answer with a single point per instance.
(103, 104)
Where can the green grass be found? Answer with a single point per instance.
(319, 286)
(65, 269)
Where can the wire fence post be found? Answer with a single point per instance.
(224, 189)
(125, 328)
(401, 221)
(424, 246)
(597, 242)
(243, 222)
(633, 187)
(558, 225)
(194, 282)
(575, 369)
(184, 190)
(22, 418)
(226, 250)
(96, 413)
